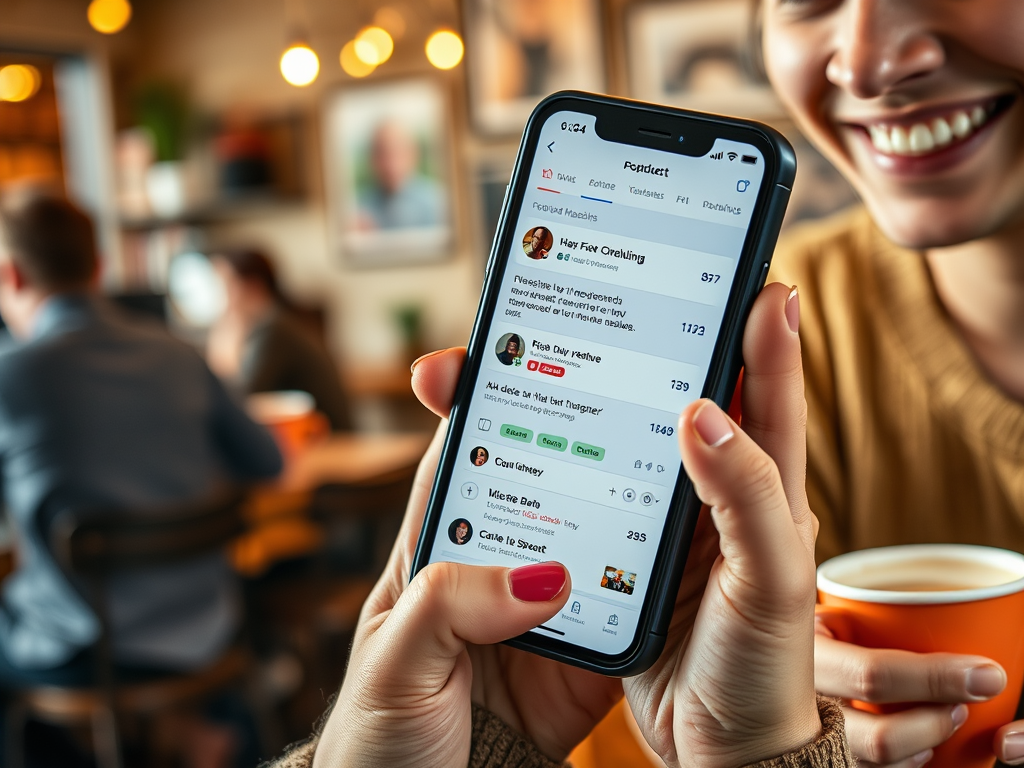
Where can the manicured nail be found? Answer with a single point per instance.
(959, 715)
(712, 426)
(421, 358)
(985, 682)
(821, 629)
(923, 757)
(1013, 748)
(793, 310)
(537, 582)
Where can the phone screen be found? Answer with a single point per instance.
(610, 303)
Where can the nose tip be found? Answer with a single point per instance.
(869, 63)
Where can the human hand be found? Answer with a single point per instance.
(941, 682)
(735, 684)
(443, 627)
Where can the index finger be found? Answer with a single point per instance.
(886, 676)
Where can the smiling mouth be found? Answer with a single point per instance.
(921, 137)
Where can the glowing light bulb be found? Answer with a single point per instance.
(374, 46)
(19, 82)
(300, 65)
(352, 64)
(444, 49)
(109, 16)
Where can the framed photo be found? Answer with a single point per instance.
(387, 173)
(696, 54)
(519, 51)
(490, 180)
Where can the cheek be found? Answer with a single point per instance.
(996, 34)
(795, 60)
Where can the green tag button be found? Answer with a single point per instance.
(512, 432)
(553, 442)
(588, 451)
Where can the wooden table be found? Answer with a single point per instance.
(277, 512)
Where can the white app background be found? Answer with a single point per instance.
(616, 306)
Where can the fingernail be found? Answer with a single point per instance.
(421, 358)
(985, 682)
(1013, 748)
(711, 425)
(821, 629)
(959, 715)
(793, 310)
(536, 582)
(923, 757)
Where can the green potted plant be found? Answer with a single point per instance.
(160, 109)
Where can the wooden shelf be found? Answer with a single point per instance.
(232, 209)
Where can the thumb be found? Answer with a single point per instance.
(742, 485)
(449, 605)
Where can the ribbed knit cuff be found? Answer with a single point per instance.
(829, 750)
(297, 755)
(496, 745)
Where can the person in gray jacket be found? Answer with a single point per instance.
(101, 410)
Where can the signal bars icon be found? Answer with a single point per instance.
(718, 156)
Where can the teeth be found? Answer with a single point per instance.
(941, 132)
(961, 125)
(880, 137)
(921, 138)
(900, 141)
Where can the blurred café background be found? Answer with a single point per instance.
(361, 149)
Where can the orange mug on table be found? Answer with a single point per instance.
(291, 417)
(952, 598)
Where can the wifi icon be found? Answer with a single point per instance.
(732, 156)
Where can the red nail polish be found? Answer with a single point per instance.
(537, 582)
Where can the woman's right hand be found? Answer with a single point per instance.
(735, 684)
(945, 681)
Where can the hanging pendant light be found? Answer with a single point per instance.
(109, 16)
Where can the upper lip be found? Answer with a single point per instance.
(921, 114)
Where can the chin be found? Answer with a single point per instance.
(920, 225)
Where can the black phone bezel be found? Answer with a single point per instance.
(624, 121)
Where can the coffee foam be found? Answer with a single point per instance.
(926, 574)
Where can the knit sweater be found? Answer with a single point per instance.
(495, 745)
(907, 440)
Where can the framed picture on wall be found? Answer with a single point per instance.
(387, 173)
(519, 51)
(697, 54)
(490, 180)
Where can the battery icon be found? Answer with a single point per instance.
(749, 159)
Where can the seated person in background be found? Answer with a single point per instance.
(97, 409)
(259, 345)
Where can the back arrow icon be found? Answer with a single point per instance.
(550, 147)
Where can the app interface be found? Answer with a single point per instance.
(608, 312)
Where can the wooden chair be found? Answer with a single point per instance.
(92, 545)
(315, 610)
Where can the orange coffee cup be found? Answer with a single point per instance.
(952, 598)
(291, 417)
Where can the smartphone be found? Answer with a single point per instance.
(632, 242)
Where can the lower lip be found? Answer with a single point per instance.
(933, 162)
